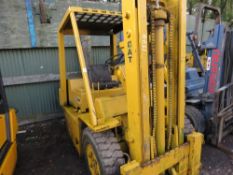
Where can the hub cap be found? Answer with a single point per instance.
(92, 161)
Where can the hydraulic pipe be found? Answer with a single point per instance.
(160, 17)
(181, 71)
(159, 68)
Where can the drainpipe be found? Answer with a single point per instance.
(31, 24)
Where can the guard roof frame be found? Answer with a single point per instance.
(71, 26)
(92, 21)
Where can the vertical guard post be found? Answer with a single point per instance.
(83, 69)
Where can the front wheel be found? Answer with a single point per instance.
(188, 126)
(196, 118)
(102, 151)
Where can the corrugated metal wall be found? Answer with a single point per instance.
(36, 99)
(22, 62)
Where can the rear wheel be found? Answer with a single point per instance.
(196, 118)
(102, 153)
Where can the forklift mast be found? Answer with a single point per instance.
(136, 40)
(213, 47)
(209, 55)
(153, 137)
(201, 12)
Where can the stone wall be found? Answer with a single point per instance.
(14, 31)
(13, 24)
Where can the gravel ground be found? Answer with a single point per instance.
(46, 149)
(215, 161)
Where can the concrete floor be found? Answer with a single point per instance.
(46, 149)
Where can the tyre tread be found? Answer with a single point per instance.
(108, 150)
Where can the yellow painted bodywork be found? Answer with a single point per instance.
(78, 97)
(75, 119)
(169, 159)
(69, 17)
(129, 105)
(104, 106)
(8, 165)
(81, 95)
(203, 58)
(2, 131)
(92, 160)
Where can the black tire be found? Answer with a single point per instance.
(188, 126)
(106, 149)
(196, 118)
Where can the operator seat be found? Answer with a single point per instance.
(100, 77)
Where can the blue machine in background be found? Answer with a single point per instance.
(209, 89)
(215, 53)
(194, 83)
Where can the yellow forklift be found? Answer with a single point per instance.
(127, 116)
(8, 130)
